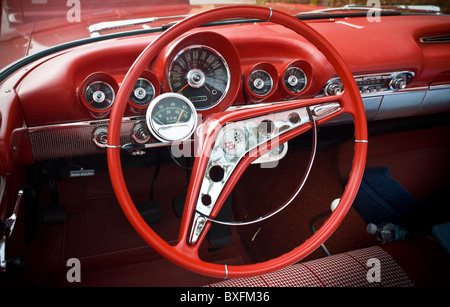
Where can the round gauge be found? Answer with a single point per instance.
(294, 79)
(234, 141)
(171, 117)
(99, 95)
(201, 74)
(260, 82)
(143, 92)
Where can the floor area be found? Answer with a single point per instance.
(112, 254)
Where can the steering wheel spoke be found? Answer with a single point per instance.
(242, 142)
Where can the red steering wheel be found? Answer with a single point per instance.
(194, 223)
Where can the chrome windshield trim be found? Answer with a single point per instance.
(95, 29)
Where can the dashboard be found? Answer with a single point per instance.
(66, 98)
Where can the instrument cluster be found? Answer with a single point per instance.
(99, 90)
(200, 73)
(265, 80)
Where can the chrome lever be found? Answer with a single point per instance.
(9, 224)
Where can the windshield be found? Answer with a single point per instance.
(31, 26)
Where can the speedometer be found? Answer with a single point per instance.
(200, 74)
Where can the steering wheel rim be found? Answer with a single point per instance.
(184, 254)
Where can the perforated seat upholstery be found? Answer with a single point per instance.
(343, 270)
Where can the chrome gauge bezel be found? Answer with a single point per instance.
(166, 133)
(251, 84)
(287, 86)
(140, 101)
(225, 64)
(108, 104)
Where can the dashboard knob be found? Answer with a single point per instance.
(334, 87)
(398, 82)
(141, 134)
(101, 136)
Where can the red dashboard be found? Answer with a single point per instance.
(52, 102)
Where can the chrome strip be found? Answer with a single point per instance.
(226, 272)
(348, 24)
(90, 123)
(439, 86)
(95, 29)
(394, 92)
(435, 39)
(12, 219)
(113, 146)
(270, 14)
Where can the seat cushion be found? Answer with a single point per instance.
(368, 267)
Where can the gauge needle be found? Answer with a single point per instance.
(183, 88)
(179, 117)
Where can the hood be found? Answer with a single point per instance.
(30, 26)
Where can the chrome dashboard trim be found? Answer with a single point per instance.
(87, 123)
(439, 87)
(395, 92)
(384, 75)
(66, 140)
(435, 39)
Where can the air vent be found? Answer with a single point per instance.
(436, 39)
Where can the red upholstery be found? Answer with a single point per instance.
(419, 262)
(343, 270)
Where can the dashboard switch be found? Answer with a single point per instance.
(141, 134)
(101, 136)
(398, 82)
(334, 87)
